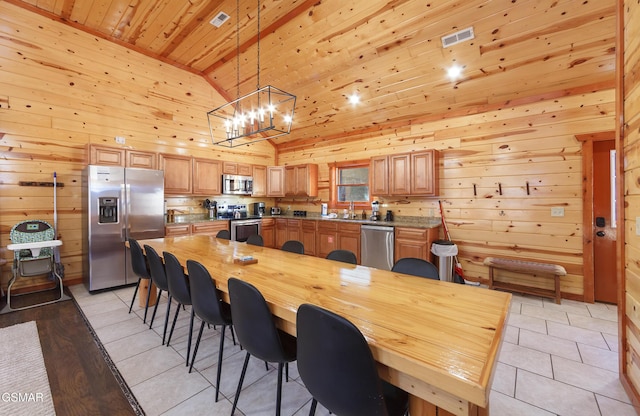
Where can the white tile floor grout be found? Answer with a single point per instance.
(555, 360)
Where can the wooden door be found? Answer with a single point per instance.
(400, 175)
(207, 177)
(379, 173)
(177, 174)
(259, 174)
(275, 181)
(604, 232)
(424, 173)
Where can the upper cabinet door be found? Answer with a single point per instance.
(137, 159)
(207, 177)
(424, 173)
(259, 174)
(177, 173)
(400, 174)
(379, 171)
(275, 181)
(106, 156)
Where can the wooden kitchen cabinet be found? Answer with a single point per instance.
(425, 176)
(269, 232)
(301, 180)
(138, 159)
(308, 232)
(174, 230)
(275, 181)
(349, 238)
(327, 237)
(177, 173)
(209, 227)
(414, 242)
(281, 232)
(379, 175)
(259, 174)
(235, 168)
(406, 174)
(399, 174)
(207, 177)
(114, 156)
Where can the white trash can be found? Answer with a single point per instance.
(445, 250)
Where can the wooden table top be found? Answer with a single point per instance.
(437, 340)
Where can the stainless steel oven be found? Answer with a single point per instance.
(242, 229)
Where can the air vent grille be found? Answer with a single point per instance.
(219, 19)
(460, 36)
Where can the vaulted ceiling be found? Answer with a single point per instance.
(388, 51)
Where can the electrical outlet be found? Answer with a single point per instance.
(557, 212)
(288, 207)
(120, 140)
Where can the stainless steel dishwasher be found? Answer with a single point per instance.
(377, 246)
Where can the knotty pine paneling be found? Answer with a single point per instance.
(532, 143)
(630, 363)
(66, 89)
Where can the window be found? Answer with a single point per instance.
(350, 183)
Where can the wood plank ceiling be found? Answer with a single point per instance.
(390, 52)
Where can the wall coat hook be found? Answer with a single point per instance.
(500, 188)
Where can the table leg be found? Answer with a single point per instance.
(419, 407)
(143, 290)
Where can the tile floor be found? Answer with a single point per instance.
(555, 360)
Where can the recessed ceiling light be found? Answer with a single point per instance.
(454, 72)
(354, 98)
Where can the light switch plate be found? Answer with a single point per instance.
(120, 140)
(557, 212)
(637, 225)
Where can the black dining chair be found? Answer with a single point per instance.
(344, 256)
(179, 290)
(257, 333)
(159, 278)
(255, 240)
(139, 266)
(209, 307)
(336, 365)
(416, 267)
(224, 234)
(293, 246)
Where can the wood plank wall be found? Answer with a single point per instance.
(630, 330)
(532, 143)
(61, 89)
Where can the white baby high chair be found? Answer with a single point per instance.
(32, 245)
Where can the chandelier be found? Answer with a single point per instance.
(265, 113)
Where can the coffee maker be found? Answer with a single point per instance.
(375, 211)
(259, 209)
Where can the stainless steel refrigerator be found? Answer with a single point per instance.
(118, 203)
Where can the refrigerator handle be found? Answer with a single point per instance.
(125, 209)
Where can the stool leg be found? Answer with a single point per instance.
(557, 278)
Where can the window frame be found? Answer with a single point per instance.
(333, 184)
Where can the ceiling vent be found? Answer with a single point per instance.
(461, 36)
(219, 19)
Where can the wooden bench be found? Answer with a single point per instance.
(530, 267)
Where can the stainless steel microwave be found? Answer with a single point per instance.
(237, 185)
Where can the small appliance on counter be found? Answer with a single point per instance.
(375, 211)
(324, 210)
(259, 209)
(389, 216)
(275, 211)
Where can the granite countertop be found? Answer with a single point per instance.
(415, 222)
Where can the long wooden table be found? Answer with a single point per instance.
(438, 341)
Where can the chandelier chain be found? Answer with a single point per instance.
(237, 48)
(258, 17)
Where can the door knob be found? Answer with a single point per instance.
(600, 233)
